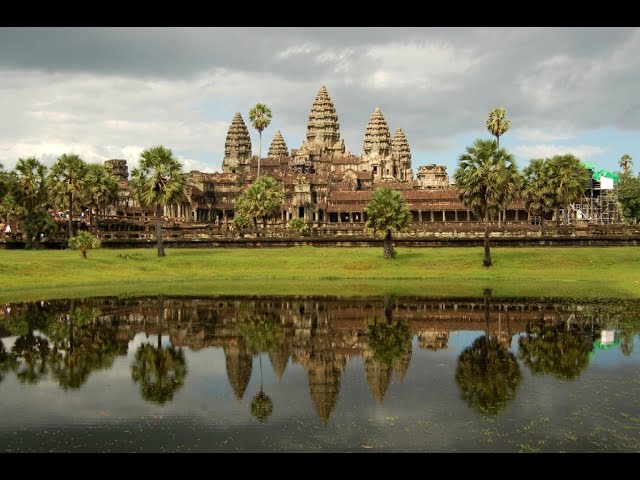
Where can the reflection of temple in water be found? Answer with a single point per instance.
(322, 336)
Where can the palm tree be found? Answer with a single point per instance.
(84, 241)
(387, 212)
(260, 118)
(538, 190)
(625, 163)
(159, 370)
(101, 187)
(66, 178)
(568, 178)
(263, 199)
(30, 192)
(497, 123)
(158, 181)
(487, 179)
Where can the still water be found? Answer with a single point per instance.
(319, 375)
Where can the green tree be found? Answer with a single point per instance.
(29, 189)
(487, 179)
(625, 163)
(84, 242)
(4, 182)
(629, 196)
(101, 188)
(242, 223)
(569, 179)
(66, 180)
(299, 226)
(387, 212)
(556, 349)
(262, 199)
(260, 118)
(497, 123)
(159, 370)
(538, 190)
(158, 181)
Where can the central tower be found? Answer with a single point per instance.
(323, 132)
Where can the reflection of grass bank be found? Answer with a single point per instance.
(581, 272)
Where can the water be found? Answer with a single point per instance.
(319, 375)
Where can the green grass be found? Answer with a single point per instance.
(579, 273)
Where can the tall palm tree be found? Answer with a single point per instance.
(66, 178)
(487, 179)
(101, 188)
(260, 118)
(625, 163)
(158, 181)
(497, 123)
(387, 212)
(30, 192)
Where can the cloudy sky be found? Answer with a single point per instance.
(112, 92)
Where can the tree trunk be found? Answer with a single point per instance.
(388, 245)
(486, 261)
(70, 233)
(259, 153)
(159, 230)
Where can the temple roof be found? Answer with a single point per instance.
(238, 141)
(278, 146)
(400, 145)
(377, 138)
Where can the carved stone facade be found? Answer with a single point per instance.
(432, 176)
(278, 146)
(321, 182)
(237, 147)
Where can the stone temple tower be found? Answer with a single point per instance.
(376, 149)
(323, 131)
(401, 156)
(278, 146)
(237, 147)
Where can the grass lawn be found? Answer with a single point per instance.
(586, 273)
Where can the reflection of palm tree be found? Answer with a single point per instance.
(81, 345)
(263, 333)
(261, 405)
(555, 348)
(7, 361)
(30, 352)
(159, 370)
(487, 373)
(390, 342)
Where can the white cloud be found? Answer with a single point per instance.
(419, 65)
(549, 150)
(539, 135)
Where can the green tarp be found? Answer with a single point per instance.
(597, 174)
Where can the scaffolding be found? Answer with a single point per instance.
(599, 206)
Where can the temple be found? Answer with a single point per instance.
(322, 182)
